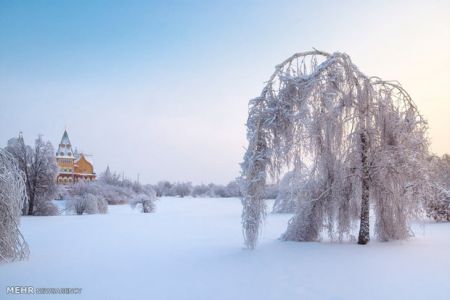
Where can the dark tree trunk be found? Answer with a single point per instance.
(30, 205)
(25, 207)
(364, 234)
(32, 196)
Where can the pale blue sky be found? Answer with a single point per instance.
(161, 88)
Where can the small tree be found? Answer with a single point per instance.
(145, 201)
(12, 198)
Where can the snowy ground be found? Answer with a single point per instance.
(192, 249)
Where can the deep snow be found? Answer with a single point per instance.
(193, 249)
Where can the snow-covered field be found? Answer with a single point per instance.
(192, 249)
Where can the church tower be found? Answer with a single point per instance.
(65, 160)
(72, 167)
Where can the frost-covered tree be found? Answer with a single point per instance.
(182, 189)
(109, 177)
(146, 202)
(233, 189)
(361, 138)
(164, 188)
(438, 206)
(12, 197)
(200, 190)
(38, 165)
(217, 190)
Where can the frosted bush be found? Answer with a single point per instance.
(145, 202)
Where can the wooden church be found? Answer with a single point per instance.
(72, 166)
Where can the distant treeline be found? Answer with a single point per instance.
(182, 189)
(125, 189)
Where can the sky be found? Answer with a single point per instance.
(161, 88)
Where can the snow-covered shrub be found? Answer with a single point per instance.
(44, 205)
(116, 194)
(96, 205)
(361, 138)
(112, 194)
(46, 208)
(437, 207)
(85, 203)
(12, 198)
(102, 205)
(109, 189)
(146, 202)
(120, 191)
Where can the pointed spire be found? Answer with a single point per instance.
(65, 139)
(65, 148)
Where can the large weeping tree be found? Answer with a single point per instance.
(12, 197)
(360, 141)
